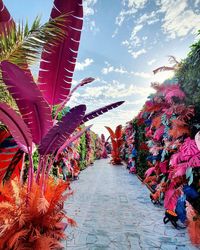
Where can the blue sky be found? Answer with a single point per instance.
(122, 42)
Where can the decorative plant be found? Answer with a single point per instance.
(117, 141)
(38, 203)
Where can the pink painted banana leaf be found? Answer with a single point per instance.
(82, 83)
(188, 148)
(62, 130)
(34, 109)
(178, 170)
(16, 126)
(6, 21)
(101, 111)
(194, 161)
(72, 139)
(57, 67)
(149, 171)
(171, 197)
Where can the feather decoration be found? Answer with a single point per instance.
(17, 127)
(71, 139)
(34, 109)
(100, 111)
(57, 67)
(193, 224)
(62, 130)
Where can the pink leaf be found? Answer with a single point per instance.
(6, 21)
(101, 111)
(34, 109)
(171, 198)
(71, 139)
(149, 171)
(57, 67)
(16, 126)
(62, 130)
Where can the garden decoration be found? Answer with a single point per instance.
(104, 151)
(168, 125)
(36, 200)
(117, 141)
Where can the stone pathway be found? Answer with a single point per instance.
(113, 211)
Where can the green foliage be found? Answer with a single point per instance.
(188, 75)
(82, 149)
(141, 160)
(63, 112)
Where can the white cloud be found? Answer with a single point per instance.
(116, 90)
(88, 7)
(142, 74)
(151, 62)
(82, 65)
(179, 20)
(135, 3)
(136, 54)
(110, 68)
(123, 14)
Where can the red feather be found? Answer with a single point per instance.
(57, 67)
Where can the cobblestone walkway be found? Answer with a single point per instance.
(113, 211)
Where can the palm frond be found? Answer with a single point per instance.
(23, 46)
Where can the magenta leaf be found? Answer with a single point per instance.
(34, 109)
(57, 66)
(72, 139)
(6, 21)
(149, 171)
(100, 111)
(16, 126)
(62, 130)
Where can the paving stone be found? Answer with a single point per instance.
(113, 211)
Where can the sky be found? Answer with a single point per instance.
(122, 42)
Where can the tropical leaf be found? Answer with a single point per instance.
(6, 21)
(149, 172)
(22, 46)
(194, 161)
(62, 130)
(34, 109)
(16, 126)
(15, 166)
(82, 83)
(100, 111)
(163, 68)
(72, 139)
(118, 132)
(174, 93)
(171, 197)
(57, 68)
(189, 147)
(111, 132)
